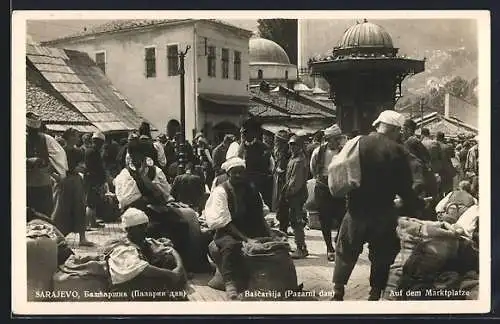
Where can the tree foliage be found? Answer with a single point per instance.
(283, 32)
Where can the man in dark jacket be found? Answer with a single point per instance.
(219, 152)
(448, 171)
(95, 178)
(295, 191)
(188, 188)
(259, 161)
(371, 216)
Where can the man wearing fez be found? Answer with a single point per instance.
(45, 160)
(259, 161)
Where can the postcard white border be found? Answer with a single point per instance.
(21, 306)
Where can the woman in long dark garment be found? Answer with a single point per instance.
(281, 154)
(69, 212)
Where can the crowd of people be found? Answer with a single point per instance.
(73, 178)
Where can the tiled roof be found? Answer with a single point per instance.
(132, 24)
(290, 103)
(258, 109)
(48, 107)
(83, 85)
(449, 126)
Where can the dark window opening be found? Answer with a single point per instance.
(225, 63)
(100, 60)
(150, 62)
(237, 65)
(260, 74)
(173, 59)
(211, 61)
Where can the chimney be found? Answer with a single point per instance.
(447, 105)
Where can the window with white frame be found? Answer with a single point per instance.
(173, 59)
(237, 65)
(150, 60)
(211, 62)
(100, 61)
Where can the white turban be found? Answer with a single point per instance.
(232, 163)
(133, 217)
(232, 151)
(390, 117)
(333, 130)
(99, 135)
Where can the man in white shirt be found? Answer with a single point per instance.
(235, 210)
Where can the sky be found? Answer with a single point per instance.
(412, 36)
(44, 30)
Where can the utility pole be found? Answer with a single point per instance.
(182, 146)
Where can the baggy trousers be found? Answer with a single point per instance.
(297, 216)
(379, 231)
(232, 262)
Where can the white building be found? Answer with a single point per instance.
(269, 62)
(140, 57)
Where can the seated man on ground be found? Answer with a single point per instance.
(139, 262)
(236, 211)
(145, 187)
(455, 203)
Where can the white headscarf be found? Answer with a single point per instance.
(133, 217)
(232, 163)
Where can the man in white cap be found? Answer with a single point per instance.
(371, 215)
(235, 210)
(95, 178)
(45, 159)
(331, 210)
(139, 260)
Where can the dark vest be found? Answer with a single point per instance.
(38, 176)
(257, 158)
(320, 164)
(245, 206)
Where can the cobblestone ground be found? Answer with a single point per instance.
(315, 272)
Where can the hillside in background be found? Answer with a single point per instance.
(449, 47)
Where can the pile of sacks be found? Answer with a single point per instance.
(430, 261)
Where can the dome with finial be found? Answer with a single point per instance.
(365, 34)
(266, 51)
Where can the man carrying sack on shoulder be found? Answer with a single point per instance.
(371, 170)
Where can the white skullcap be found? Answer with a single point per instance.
(390, 117)
(232, 151)
(133, 217)
(333, 130)
(233, 162)
(99, 135)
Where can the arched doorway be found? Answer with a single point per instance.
(173, 127)
(224, 128)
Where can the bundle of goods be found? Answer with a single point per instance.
(87, 275)
(272, 274)
(63, 250)
(424, 253)
(143, 287)
(311, 206)
(41, 248)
